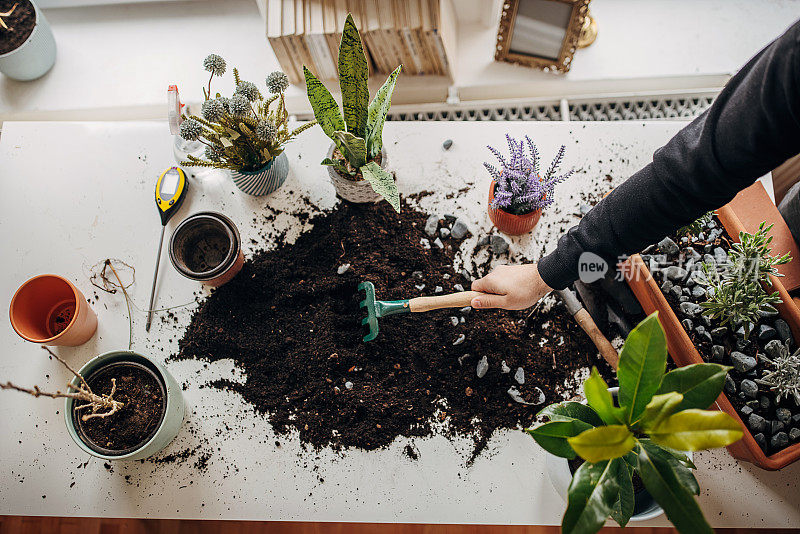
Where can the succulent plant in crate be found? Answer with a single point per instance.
(245, 132)
(783, 378)
(357, 135)
(735, 290)
(658, 415)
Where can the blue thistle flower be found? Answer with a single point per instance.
(248, 90)
(214, 64)
(213, 153)
(213, 110)
(191, 129)
(239, 105)
(520, 187)
(277, 82)
(266, 131)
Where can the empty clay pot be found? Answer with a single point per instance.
(206, 247)
(48, 309)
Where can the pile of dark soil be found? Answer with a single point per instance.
(774, 425)
(141, 413)
(20, 24)
(293, 324)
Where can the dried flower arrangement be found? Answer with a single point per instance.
(241, 133)
(521, 188)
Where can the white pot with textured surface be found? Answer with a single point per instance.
(33, 58)
(359, 192)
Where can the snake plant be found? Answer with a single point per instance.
(659, 414)
(357, 135)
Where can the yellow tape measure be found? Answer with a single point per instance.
(170, 191)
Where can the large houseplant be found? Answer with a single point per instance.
(356, 159)
(244, 134)
(658, 415)
(519, 191)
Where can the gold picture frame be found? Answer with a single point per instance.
(558, 61)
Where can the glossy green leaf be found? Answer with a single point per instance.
(591, 496)
(622, 510)
(338, 165)
(700, 384)
(603, 443)
(552, 436)
(694, 430)
(569, 411)
(326, 110)
(681, 456)
(659, 408)
(641, 366)
(352, 147)
(664, 485)
(382, 183)
(600, 399)
(378, 109)
(353, 74)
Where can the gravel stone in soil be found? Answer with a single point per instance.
(293, 326)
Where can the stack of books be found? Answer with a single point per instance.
(418, 34)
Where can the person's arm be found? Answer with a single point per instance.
(752, 127)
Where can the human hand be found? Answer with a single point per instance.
(512, 287)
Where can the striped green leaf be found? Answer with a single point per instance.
(326, 110)
(352, 147)
(353, 73)
(378, 109)
(382, 183)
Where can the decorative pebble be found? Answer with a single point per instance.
(756, 423)
(699, 292)
(425, 243)
(776, 426)
(666, 286)
(749, 388)
(766, 332)
(683, 298)
(446, 276)
(438, 289)
(483, 241)
(784, 332)
(687, 325)
(675, 273)
(668, 246)
(519, 376)
(504, 368)
(717, 353)
(483, 366)
(348, 385)
(466, 310)
(689, 308)
(438, 243)
(417, 275)
(460, 339)
(498, 244)
(779, 440)
(431, 225)
(538, 396)
(444, 233)
(719, 332)
(458, 287)
(419, 287)
(702, 333)
(760, 440)
(462, 320)
(447, 144)
(454, 321)
(343, 268)
(677, 292)
(794, 434)
(742, 362)
(730, 385)
(774, 349)
(460, 229)
(783, 415)
(746, 410)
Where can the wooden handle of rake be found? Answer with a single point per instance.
(453, 300)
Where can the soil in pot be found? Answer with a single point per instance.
(292, 323)
(20, 24)
(774, 425)
(337, 155)
(142, 394)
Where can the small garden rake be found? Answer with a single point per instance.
(383, 308)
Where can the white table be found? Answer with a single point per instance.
(72, 194)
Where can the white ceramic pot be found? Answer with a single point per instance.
(35, 56)
(561, 477)
(359, 192)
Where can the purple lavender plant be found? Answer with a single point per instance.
(520, 186)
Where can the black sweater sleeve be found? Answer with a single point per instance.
(752, 127)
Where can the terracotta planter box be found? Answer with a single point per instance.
(683, 351)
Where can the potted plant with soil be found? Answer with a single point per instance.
(119, 406)
(356, 160)
(518, 192)
(721, 300)
(244, 134)
(640, 435)
(27, 46)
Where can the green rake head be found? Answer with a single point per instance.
(378, 308)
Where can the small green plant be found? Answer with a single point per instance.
(696, 226)
(358, 136)
(657, 416)
(241, 133)
(784, 378)
(735, 291)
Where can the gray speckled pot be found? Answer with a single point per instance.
(359, 192)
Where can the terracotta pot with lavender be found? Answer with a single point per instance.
(519, 192)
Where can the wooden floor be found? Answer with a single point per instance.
(62, 525)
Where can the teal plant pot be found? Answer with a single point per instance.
(264, 181)
(33, 58)
(171, 418)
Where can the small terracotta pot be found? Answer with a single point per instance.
(50, 310)
(511, 224)
(683, 352)
(206, 247)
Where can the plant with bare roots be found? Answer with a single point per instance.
(101, 406)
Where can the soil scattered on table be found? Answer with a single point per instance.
(293, 324)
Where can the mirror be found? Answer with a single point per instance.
(540, 33)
